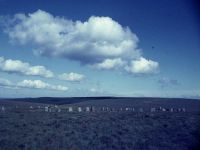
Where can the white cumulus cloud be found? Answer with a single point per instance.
(72, 76)
(32, 84)
(142, 66)
(17, 66)
(110, 63)
(38, 84)
(92, 40)
(98, 41)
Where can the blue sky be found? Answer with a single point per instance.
(99, 48)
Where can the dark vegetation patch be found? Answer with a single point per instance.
(39, 130)
(52, 131)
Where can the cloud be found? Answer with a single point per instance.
(110, 64)
(71, 77)
(17, 66)
(93, 90)
(32, 84)
(38, 84)
(5, 83)
(164, 82)
(98, 41)
(142, 66)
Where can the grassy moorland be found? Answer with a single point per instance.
(21, 128)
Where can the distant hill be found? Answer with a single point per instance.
(143, 102)
(56, 100)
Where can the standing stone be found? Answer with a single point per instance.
(93, 109)
(70, 109)
(133, 109)
(87, 109)
(3, 109)
(79, 109)
(46, 108)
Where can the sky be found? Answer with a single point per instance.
(67, 48)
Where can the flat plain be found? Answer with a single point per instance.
(35, 129)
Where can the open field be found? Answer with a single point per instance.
(25, 128)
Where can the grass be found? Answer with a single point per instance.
(107, 130)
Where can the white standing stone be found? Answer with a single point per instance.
(79, 109)
(46, 108)
(70, 109)
(87, 109)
